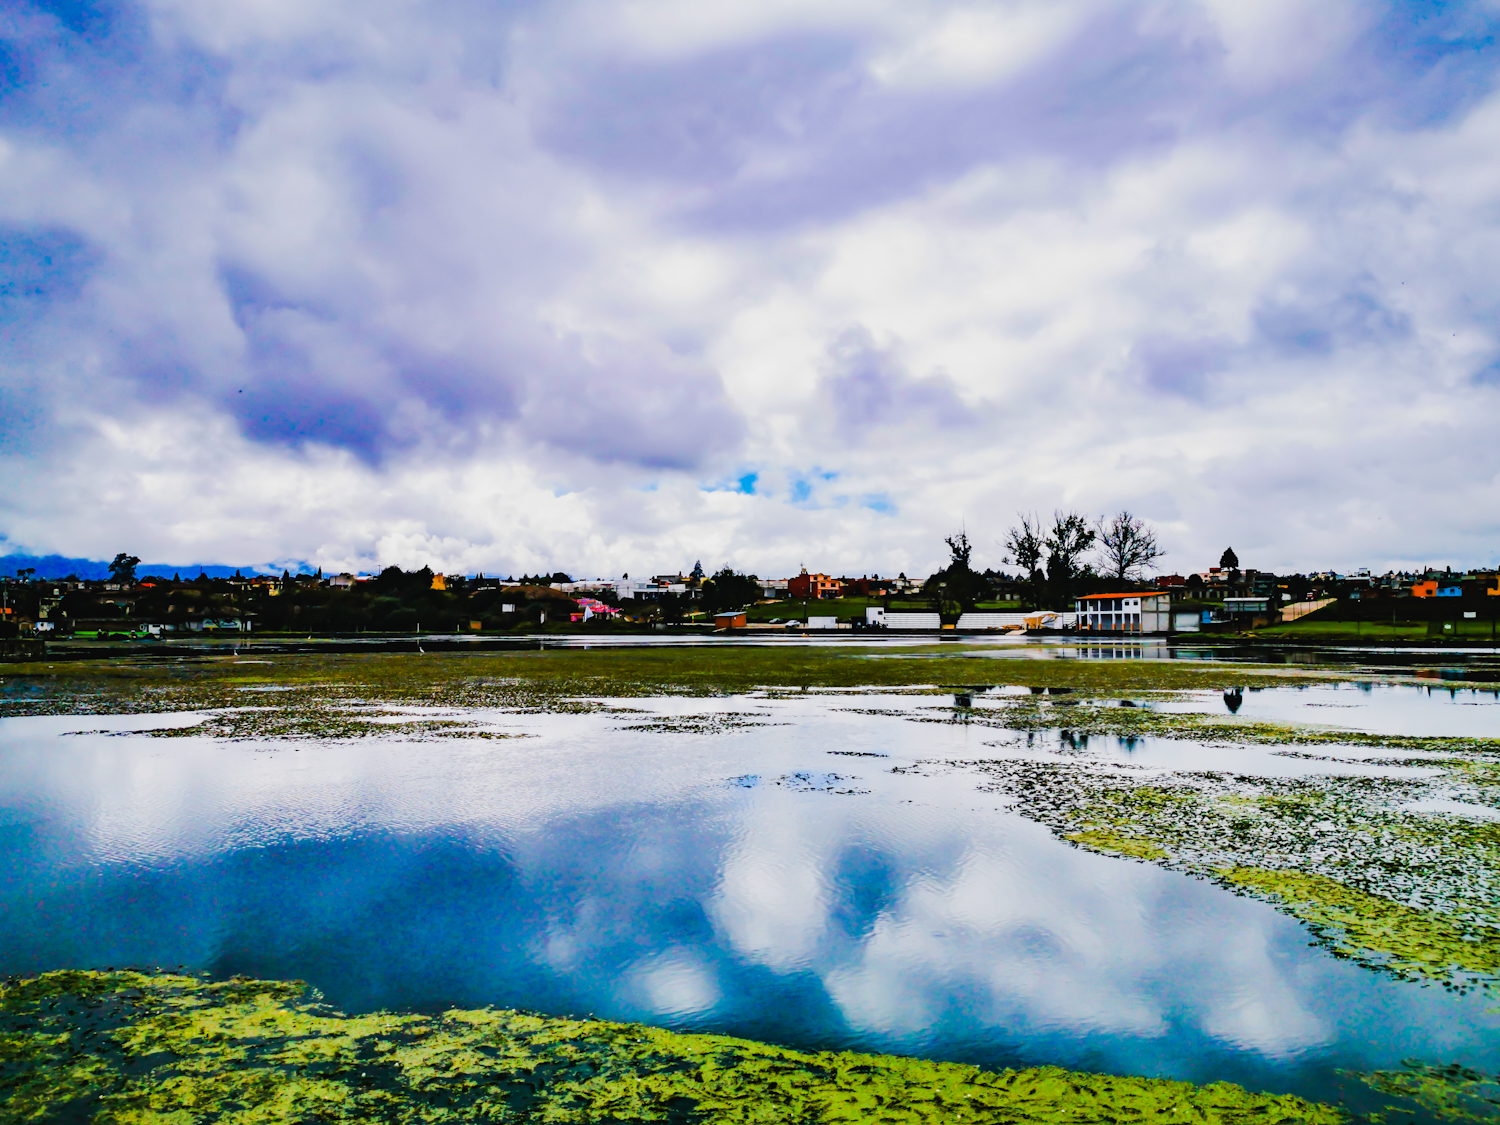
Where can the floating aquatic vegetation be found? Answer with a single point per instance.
(1362, 926)
(1413, 895)
(328, 721)
(1455, 1092)
(802, 782)
(708, 722)
(123, 1047)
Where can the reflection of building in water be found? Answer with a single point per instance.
(1120, 650)
(1143, 611)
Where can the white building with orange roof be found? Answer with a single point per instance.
(1138, 611)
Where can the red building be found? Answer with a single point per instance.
(809, 587)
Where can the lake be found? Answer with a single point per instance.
(819, 869)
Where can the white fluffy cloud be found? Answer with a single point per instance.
(621, 285)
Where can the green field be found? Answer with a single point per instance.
(1317, 629)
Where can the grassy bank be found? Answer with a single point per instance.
(197, 679)
(1325, 631)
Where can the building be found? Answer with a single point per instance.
(1434, 589)
(589, 608)
(974, 621)
(1247, 607)
(1140, 611)
(883, 619)
(808, 587)
(647, 589)
(733, 619)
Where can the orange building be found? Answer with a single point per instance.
(812, 586)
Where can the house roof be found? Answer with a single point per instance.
(1127, 594)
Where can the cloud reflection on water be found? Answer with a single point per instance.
(592, 868)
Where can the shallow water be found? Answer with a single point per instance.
(748, 864)
(1371, 708)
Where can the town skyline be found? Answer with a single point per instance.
(595, 285)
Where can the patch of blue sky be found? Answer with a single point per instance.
(804, 486)
(1447, 48)
(92, 18)
(745, 483)
(879, 502)
(39, 267)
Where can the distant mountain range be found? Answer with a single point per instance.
(59, 566)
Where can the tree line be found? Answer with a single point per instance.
(1056, 563)
(1055, 560)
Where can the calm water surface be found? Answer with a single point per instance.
(771, 877)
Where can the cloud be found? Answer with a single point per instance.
(961, 258)
(867, 388)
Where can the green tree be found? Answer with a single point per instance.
(957, 588)
(672, 608)
(1067, 543)
(730, 590)
(122, 570)
(1025, 545)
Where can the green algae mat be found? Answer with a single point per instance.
(143, 1049)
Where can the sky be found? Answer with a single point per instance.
(618, 285)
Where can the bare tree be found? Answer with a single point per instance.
(1026, 545)
(1127, 545)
